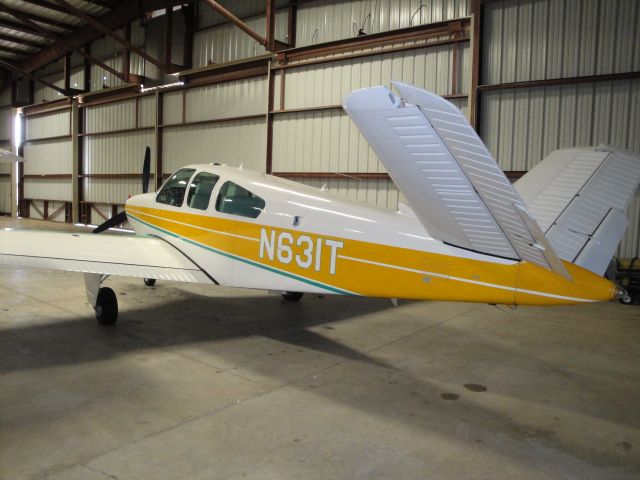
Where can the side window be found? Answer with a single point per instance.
(200, 190)
(236, 200)
(172, 193)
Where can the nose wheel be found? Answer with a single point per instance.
(106, 306)
(149, 282)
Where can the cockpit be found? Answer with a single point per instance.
(199, 188)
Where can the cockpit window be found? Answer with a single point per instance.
(236, 200)
(172, 193)
(200, 190)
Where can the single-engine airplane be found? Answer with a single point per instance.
(468, 234)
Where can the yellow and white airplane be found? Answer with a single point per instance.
(469, 234)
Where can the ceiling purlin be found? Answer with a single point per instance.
(123, 13)
(62, 41)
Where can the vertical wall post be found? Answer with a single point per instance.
(75, 161)
(292, 23)
(157, 130)
(271, 26)
(270, 102)
(168, 34)
(67, 72)
(476, 49)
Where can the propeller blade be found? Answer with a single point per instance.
(146, 170)
(112, 222)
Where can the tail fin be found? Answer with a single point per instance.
(579, 197)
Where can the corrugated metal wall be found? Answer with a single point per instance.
(327, 20)
(221, 132)
(528, 40)
(241, 8)
(114, 140)
(226, 42)
(47, 151)
(325, 140)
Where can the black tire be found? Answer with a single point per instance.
(106, 307)
(627, 300)
(292, 296)
(149, 282)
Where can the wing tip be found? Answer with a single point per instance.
(370, 98)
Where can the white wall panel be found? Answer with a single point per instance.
(233, 143)
(116, 152)
(172, 107)
(382, 193)
(225, 100)
(226, 43)
(47, 157)
(427, 68)
(521, 127)
(48, 125)
(47, 189)
(326, 20)
(110, 116)
(539, 39)
(5, 193)
(147, 111)
(111, 190)
(325, 141)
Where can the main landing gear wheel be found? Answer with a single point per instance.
(106, 307)
(292, 296)
(149, 282)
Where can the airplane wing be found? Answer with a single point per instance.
(9, 157)
(579, 197)
(130, 256)
(456, 188)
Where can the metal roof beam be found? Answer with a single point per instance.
(119, 16)
(39, 18)
(21, 41)
(21, 27)
(24, 18)
(107, 31)
(19, 71)
(237, 22)
(47, 5)
(22, 53)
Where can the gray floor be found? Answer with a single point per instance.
(204, 383)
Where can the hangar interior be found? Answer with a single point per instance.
(87, 86)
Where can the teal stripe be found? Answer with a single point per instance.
(241, 259)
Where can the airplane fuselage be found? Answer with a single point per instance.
(308, 240)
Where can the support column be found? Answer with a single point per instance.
(476, 25)
(75, 161)
(157, 130)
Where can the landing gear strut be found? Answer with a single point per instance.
(292, 296)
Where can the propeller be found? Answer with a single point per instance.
(122, 216)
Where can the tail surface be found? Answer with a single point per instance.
(579, 197)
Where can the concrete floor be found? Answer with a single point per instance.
(216, 383)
